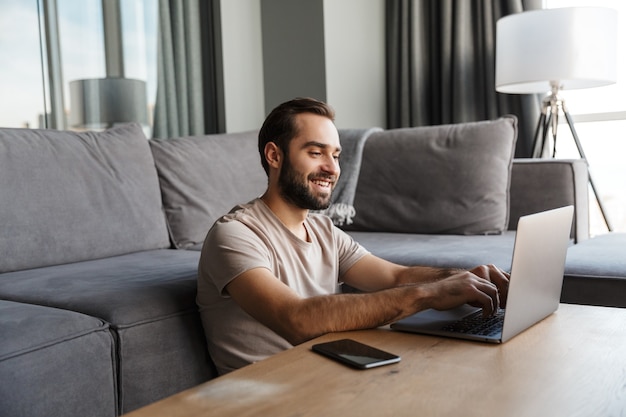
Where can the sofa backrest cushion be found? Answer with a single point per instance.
(203, 178)
(69, 196)
(449, 179)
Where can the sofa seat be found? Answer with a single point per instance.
(148, 299)
(595, 271)
(43, 344)
(450, 251)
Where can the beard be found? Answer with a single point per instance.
(295, 188)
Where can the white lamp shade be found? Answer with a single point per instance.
(575, 47)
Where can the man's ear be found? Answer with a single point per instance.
(273, 155)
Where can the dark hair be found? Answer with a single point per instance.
(280, 126)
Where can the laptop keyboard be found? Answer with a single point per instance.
(475, 323)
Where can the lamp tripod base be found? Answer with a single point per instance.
(549, 120)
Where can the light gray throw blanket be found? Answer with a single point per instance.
(341, 209)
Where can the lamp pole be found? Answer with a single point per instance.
(551, 106)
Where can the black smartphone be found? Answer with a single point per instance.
(355, 354)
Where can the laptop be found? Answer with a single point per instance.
(537, 269)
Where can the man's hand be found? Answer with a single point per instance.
(498, 277)
(484, 286)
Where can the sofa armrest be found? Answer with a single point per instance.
(543, 184)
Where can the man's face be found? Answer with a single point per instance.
(310, 169)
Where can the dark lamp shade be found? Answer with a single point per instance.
(104, 102)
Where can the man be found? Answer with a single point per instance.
(270, 269)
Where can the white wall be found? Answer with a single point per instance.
(243, 64)
(355, 61)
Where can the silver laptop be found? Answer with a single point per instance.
(534, 290)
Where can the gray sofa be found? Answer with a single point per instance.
(101, 235)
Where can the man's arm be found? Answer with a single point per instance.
(371, 273)
(298, 319)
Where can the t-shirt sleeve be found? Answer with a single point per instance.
(231, 249)
(349, 251)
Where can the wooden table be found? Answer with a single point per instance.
(573, 363)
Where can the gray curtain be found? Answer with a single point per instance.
(179, 108)
(441, 66)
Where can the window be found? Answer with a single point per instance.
(600, 121)
(55, 43)
(21, 82)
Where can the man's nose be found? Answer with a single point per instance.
(331, 166)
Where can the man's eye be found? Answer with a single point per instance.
(315, 153)
(336, 157)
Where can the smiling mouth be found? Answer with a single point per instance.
(322, 183)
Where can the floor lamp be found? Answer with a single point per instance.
(551, 50)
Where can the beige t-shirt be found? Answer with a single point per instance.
(251, 236)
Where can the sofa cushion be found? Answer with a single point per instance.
(595, 271)
(444, 251)
(148, 299)
(55, 362)
(450, 179)
(203, 177)
(539, 184)
(69, 196)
